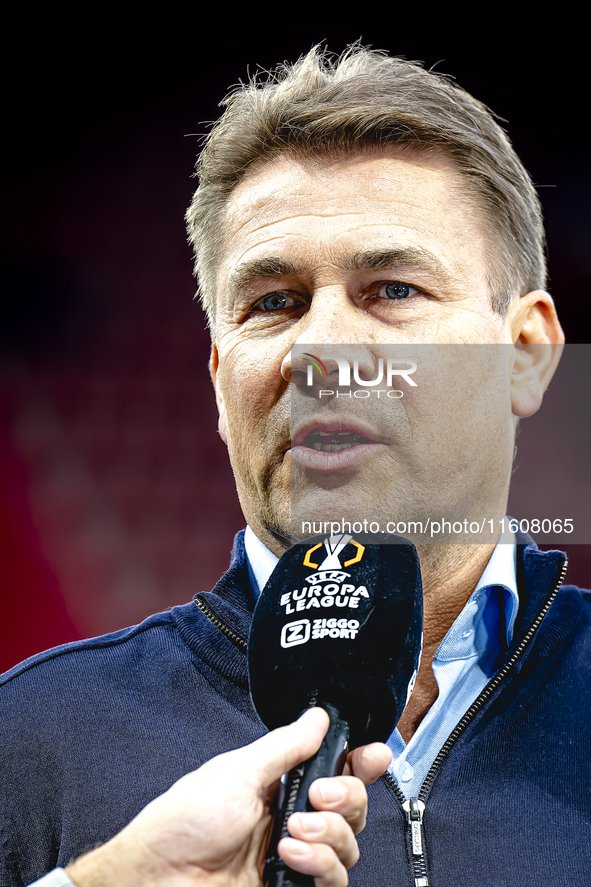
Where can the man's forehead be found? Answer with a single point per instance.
(366, 211)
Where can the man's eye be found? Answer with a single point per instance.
(275, 302)
(397, 290)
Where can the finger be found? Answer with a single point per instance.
(368, 762)
(318, 860)
(345, 795)
(326, 828)
(266, 759)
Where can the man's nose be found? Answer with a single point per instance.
(334, 328)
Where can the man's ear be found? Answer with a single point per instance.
(538, 340)
(214, 363)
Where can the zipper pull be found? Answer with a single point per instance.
(414, 810)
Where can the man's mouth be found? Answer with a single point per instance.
(336, 447)
(334, 442)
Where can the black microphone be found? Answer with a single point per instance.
(338, 624)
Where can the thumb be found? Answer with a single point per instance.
(269, 757)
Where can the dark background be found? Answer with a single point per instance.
(117, 499)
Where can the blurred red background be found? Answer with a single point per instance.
(117, 498)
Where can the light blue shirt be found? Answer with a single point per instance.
(463, 665)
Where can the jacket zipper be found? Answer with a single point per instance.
(235, 638)
(414, 808)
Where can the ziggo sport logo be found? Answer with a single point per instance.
(299, 632)
(393, 368)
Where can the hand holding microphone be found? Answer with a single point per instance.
(213, 825)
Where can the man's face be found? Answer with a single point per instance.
(311, 251)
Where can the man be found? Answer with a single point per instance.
(372, 204)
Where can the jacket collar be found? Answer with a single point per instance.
(230, 604)
(538, 575)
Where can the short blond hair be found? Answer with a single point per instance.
(363, 101)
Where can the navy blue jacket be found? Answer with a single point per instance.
(90, 732)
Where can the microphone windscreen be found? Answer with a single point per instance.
(338, 622)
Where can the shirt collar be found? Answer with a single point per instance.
(260, 561)
(490, 612)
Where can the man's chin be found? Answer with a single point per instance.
(337, 510)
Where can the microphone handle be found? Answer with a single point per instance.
(329, 760)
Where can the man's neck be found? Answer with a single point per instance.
(450, 574)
